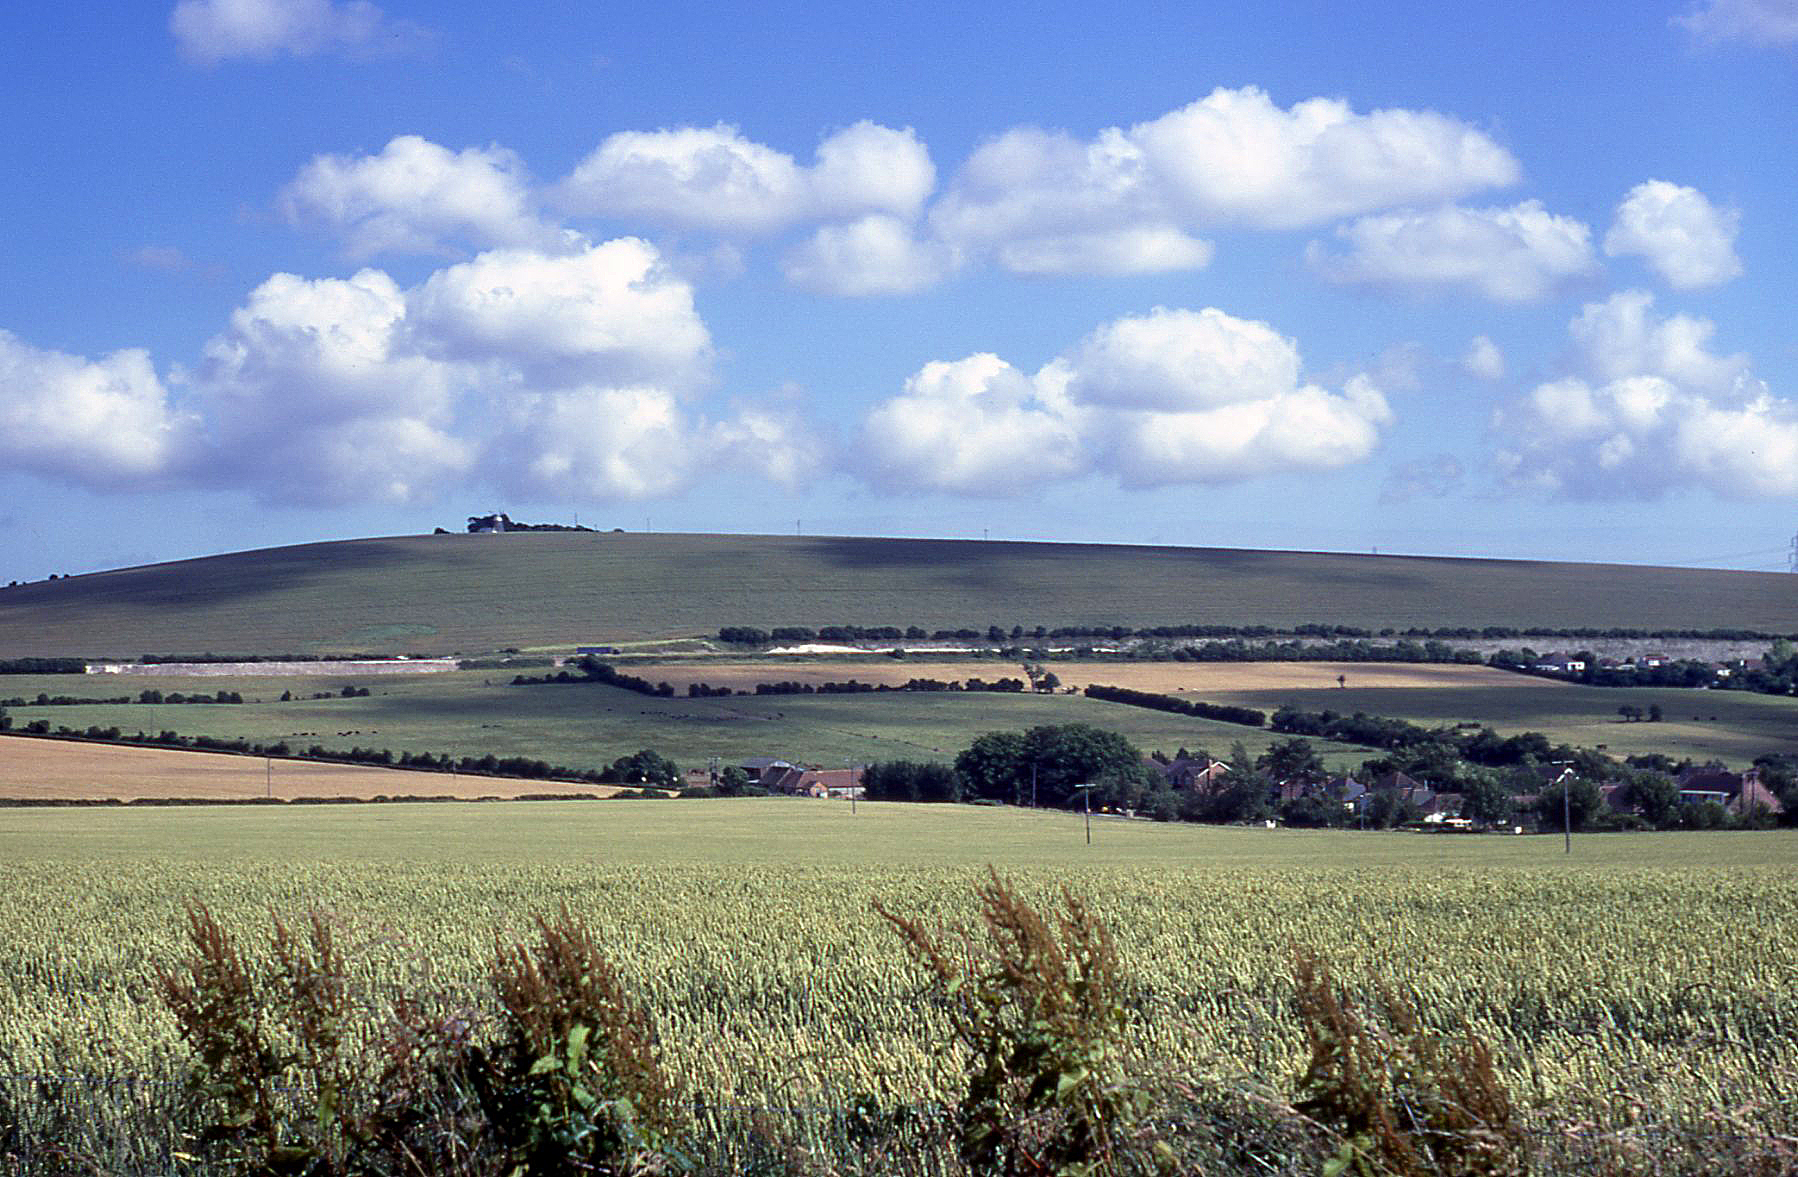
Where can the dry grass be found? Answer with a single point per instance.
(60, 771)
(1188, 677)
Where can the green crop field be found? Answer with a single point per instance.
(438, 594)
(1645, 979)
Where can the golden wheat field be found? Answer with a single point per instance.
(54, 770)
(1656, 968)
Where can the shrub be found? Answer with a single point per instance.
(289, 1080)
(1403, 1103)
(578, 1085)
(1039, 1007)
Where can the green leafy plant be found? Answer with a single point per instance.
(577, 1085)
(293, 1076)
(1403, 1102)
(1038, 1006)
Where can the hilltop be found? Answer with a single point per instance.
(438, 594)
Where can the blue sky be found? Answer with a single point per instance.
(1506, 281)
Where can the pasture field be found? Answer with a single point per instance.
(55, 770)
(1654, 968)
(587, 725)
(450, 593)
(1731, 726)
(1195, 678)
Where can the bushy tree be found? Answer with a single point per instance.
(1292, 759)
(1583, 803)
(1486, 800)
(999, 765)
(647, 768)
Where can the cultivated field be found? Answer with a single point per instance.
(1199, 679)
(586, 725)
(1732, 726)
(55, 770)
(442, 594)
(1645, 978)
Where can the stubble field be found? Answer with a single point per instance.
(55, 771)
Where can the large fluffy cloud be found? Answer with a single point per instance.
(105, 423)
(1517, 254)
(1231, 158)
(1683, 237)
(1127, 201)
(1170, 397)
(315, 393)
(211, 31)
(610, 314)
(715, 178)
(1645, 408)
(415, 196)
(573, 374)
(972, 426)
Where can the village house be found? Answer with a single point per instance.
(1203, 774)
(1737, 792)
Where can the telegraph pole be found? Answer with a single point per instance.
(1566, 804)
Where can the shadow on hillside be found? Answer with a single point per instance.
(211, 580)
(994, 564)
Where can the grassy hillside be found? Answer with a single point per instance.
(440, 594)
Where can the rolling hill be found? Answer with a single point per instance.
(468, 593)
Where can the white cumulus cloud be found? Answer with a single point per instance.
(1233, 158)
(1513, 255)
(316, 394)
(715, 178)
(1167, 398)
(875, 255)
(611, 314)
(1683, 237)
(1647, 408)
(105, 423)
(1483, 359)
(211, 31)
(971, 426)
(547, 374)
(415, 196)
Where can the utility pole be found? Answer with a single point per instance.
(268, 769)
(1566, 804)
(1086, 793)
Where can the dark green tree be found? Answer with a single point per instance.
(1656, 798)
(1583, 802)
(1292, 759)
(647, 768)
(990, 766)
(1487, 801)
